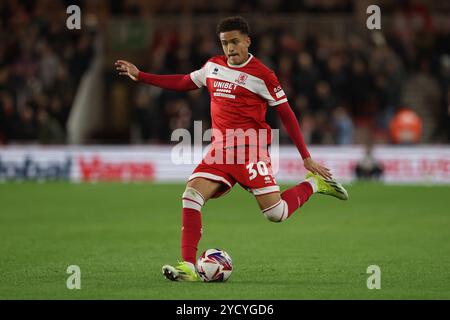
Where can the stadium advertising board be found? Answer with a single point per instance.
(417, 165)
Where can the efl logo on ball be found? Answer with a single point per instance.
(214, 265)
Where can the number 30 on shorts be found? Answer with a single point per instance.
(261, 168)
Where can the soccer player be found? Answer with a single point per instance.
(241, 88)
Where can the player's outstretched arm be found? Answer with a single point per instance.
(178, 82)
(293, 128)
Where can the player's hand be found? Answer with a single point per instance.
(314, 167)
(126, 68)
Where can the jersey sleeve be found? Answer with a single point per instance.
(272, 91)
(199, 76)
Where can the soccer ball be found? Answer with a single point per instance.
(214, 265)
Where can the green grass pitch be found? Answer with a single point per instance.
(121, 234)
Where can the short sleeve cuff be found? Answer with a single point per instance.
(276, 103)
(196, 81)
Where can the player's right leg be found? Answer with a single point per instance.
(197, 192)
(277, 206)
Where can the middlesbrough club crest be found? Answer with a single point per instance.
(242, 78)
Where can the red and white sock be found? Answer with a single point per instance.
(291, 200)
(191, 231)
(296, 196)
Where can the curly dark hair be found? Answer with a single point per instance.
(233, 23)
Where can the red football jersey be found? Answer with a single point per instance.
(239, 98)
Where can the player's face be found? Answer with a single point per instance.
(235, 46)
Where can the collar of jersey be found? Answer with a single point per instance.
(242, 64)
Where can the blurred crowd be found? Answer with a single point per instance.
(336, 85)
(339, 87)
(40, 67)
(145, 7)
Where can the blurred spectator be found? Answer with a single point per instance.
(368, 168)
(343, 126)
(406, 127)
(49, 130)
(442, 133)
(25, 126)
(146, 114)
(306, 76)
(323, 99)
(41, 64)
(360, 86)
